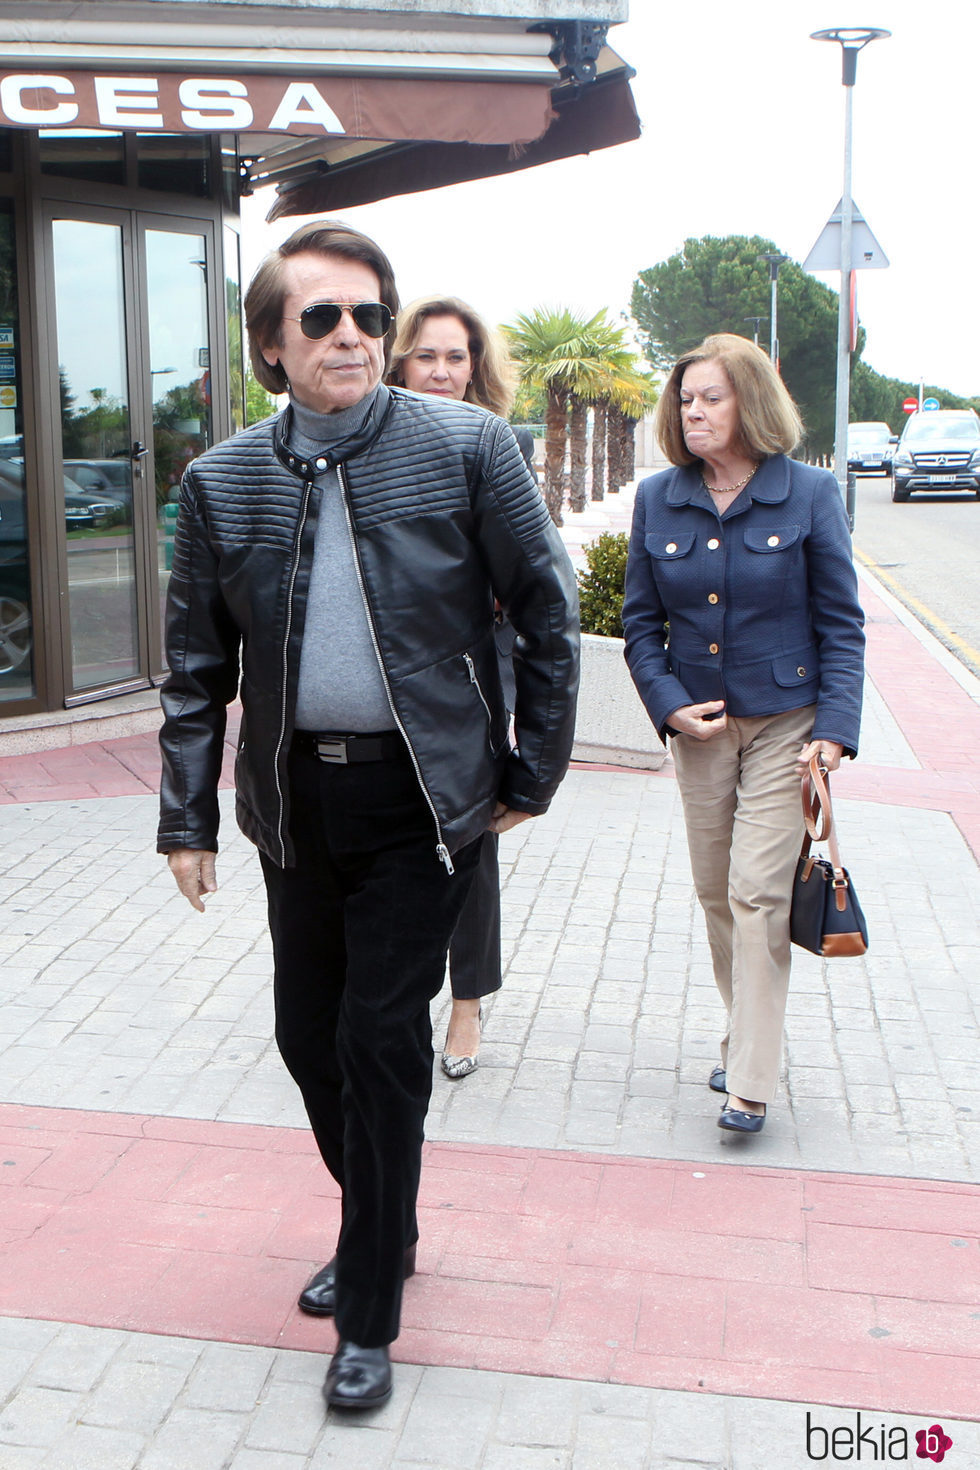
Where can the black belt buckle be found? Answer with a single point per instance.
(333, 751)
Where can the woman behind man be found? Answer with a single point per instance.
(746, 554)
(443, 347)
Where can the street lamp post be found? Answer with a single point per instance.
(773, 260)
(755, 320)
(851, 40)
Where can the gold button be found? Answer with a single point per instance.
(712, 597)
(773, 541)
(671, 546)
(712, 648)
(714, 544)
(801, 671)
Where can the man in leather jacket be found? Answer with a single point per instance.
(337, 567)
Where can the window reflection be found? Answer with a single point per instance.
(179, 163)
(16, 629)
(180, 366)
(95, 155)
(233, 306)
(98, 485)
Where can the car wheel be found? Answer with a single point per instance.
(900, 492)
(15, 634)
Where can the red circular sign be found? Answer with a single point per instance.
(910, 405)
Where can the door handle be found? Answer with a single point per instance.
(138, 450)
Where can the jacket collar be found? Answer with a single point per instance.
(769, 484)
(332, 454)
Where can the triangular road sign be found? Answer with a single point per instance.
(866, 253)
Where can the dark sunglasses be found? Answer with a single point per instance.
(370, 317)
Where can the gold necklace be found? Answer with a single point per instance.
(729, 489)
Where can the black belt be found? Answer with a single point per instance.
(350, 750)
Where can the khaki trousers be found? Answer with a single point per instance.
(741, 797)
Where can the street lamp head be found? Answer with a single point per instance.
(851, 39)
(773, 259)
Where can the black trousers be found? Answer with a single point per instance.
(360, 930)
(474, 954)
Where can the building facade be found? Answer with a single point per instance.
(128, 133)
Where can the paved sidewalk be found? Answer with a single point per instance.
(605, 1279)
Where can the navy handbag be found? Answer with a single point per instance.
(826, 916)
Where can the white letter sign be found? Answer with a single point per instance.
(209, 103)
(119, 97)
(15, 111)
(302, 103)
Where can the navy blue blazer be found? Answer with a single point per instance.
(762, 602)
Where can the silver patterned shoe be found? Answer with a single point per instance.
(456, 1068)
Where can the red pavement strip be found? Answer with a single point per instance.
(775, 1283)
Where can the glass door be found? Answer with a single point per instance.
(133, 337)
(101, 473)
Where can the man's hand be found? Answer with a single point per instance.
(699, 720)
(505, 817)
(193, 870)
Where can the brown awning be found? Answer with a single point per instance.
(471, 112)
(598, 115)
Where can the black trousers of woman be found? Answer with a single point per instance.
(360, 930)
(474, 954)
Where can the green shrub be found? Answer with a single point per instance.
(600, 589)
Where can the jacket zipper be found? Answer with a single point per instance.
(471, 668)
(307, 489)
(442, 851)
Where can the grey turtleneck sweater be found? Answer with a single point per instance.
(341, 687)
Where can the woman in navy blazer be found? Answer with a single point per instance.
(744, 637)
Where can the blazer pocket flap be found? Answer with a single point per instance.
(667, 547)
(796, 668)
(771, 538)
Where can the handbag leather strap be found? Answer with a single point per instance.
(818, 814)
(818, 817)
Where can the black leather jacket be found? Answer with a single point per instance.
(444, 516)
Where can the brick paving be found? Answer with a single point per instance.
(606, 1280)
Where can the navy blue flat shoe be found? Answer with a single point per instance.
(717, 1081)
(738, 1122)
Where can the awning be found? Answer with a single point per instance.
(337, 106)
(585, 119)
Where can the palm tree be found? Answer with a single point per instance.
(573, 360)
(632, 394)
(599, 418)
(544, 344)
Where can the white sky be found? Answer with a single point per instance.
(743, 134)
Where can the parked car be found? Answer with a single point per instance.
(869, 448)
(82, 507)
(938, 450)
(87, 508)
(110, 477)
(15, 612)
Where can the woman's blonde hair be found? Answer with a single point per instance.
(768, 421)
(494, 377)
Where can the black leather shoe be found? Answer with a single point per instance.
(739, 1122)
(717, 1081)
(358, 1378)
(319, 1296)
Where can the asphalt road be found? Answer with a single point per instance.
(926, 551)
